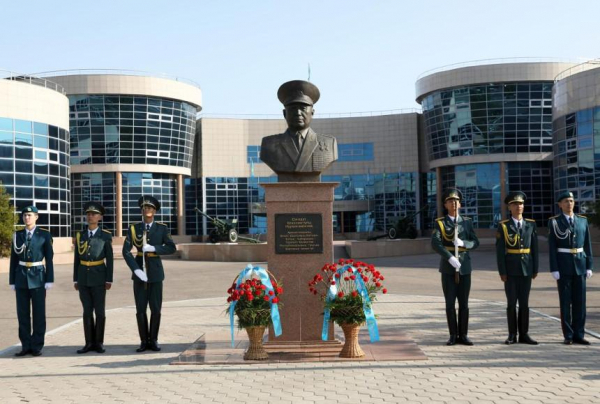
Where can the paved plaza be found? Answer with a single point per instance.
(489, 372)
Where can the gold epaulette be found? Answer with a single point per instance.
(585, 217)
(41, 228)
(107, 231)
(554, 217)
(530, 220)
(504, 221)
(466, 218)
(164, 224)
(440, 218)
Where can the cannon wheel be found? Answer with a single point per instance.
(233, 236)
(213, 236)
(392, 233)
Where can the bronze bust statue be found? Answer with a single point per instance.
(299, 154)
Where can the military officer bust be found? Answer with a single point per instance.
(152, 240)
(299, 154)
(93, 276)
(517, 256)
(31, 274)
(571, 264)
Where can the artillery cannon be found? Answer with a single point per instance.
(405, 226)
(224, 230)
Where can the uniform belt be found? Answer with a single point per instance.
(521, 251)
(460, 249)
(31, 264)
(141, 254)
(91, 263)
(570, 250)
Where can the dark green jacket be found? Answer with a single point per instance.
(40, 249)
(561, 235)
(98, 248)
(442, 243)
(511, 248)
(160, 238)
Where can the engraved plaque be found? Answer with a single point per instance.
(298, 233)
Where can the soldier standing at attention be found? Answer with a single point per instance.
(93, 276)
(152, 239)
(443, 240)
(30, 279)
(571, 263)
(517, 255)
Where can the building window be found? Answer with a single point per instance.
(355, 152)
(253, 153)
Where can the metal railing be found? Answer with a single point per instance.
(484, 62)
(582, 67)
(114, 72)
(317, 116)
(32, 79)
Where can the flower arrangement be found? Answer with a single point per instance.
(350, 288)
(253, 301)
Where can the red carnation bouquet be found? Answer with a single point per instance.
(253, 301)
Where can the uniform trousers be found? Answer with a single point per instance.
(147, 296)
(460, 292)
(517, 289)
(31, 301)
(93, 299)
(571, 293)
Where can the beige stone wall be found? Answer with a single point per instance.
(29, 102)
(131, 85)
(493, 73)
(576, 92)
(395, 138)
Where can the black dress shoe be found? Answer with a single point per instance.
(568, 341)
(526, 339)
(451, 340)
(464, 340)
(22, 353)
(36, 353)
(512, 339)
(143, 347)
(581, 341)
(85, 349)
(153, 346)
(99, 348)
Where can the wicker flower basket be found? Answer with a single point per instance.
(351, 348)
(256, 351)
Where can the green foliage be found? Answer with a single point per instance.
(8, 219)
(594, 218)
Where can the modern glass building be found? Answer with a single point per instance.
(576, 133)
(488, 130)
(34, 149)
(132, 134)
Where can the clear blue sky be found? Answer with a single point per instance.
(364, 54)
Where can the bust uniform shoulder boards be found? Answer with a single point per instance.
(107, 231)
(530, 220)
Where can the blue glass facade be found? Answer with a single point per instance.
(34, 167)
(577, 156)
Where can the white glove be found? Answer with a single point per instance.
(148, 248)
(49, 285)
(458, 242)
(140, 274)
(12, 287)
(588, 274)
(556, 275)
(454, 262)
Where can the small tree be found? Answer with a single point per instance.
(594, 218)
(8, 220)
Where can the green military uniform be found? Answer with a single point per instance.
(570, 254)
(517, 256)
(92, 270)
(442, 243)
(148, 293)
(30, 278)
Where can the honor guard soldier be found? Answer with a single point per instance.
(30, 279)
(151, 239)
(453, 237)
(517, 255)
(93, 276)
(571, 263)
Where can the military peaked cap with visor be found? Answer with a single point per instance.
(148, 200)
(516, 196)
(298, 91)
(452, 193)
(93, 207)
(29, 209)
(563, 195)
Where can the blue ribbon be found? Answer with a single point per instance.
(364, 293)
(265, 280)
